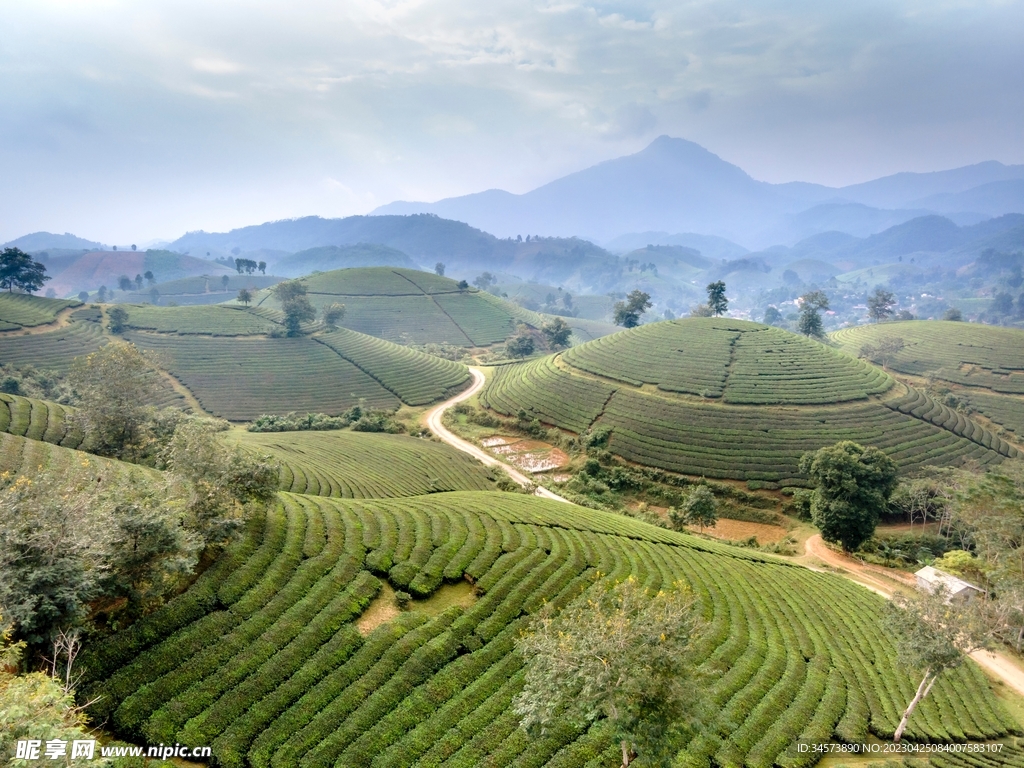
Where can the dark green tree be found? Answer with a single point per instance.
(83, 296)
(245, 296)
(1002, 303)
(138, 282)
(19, 270)
(520, 345)
(463, 285)
(852, 488)
(439, 269)
(628, 312)
(810, 321)
(717, 302)
(332, 315)
(620, 654)
(224, 280)
(296, 306)
(262, 267)
(881, 304)
(953, 314)
(148, 274)
(124, 283)
(772, 316)
(101, 294)
(557, 333)
(118, 317)
(154, 295)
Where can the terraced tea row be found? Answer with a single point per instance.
(206, 320)
(413, 377)
(740, 362)
(23, 456)
(738, 442)
(239, 379)
(53, 350)
(38, 420)
(365, 465)
(260, 658)
(964, 353)
(22, 310)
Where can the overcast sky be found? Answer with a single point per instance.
(128, 121)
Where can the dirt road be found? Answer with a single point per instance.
(432, 420)
(885, 583)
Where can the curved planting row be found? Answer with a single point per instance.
(741, 362)
(24, 456)
(38, 420)
(965, 353)
(766, 444)
(551, 393)
(259, 658)
(1007, 412)
(924, 407)
(240, 378)
(413, 377)
(364, 465)
(55, 349)
(726, 441)
(979, 756)
(204, 320)
(22, 310)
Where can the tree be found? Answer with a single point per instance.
(262, 267)
(699, 508)
(881, 304)
(883, 351)
(933, 635)
(484, 281)
(463, 285)
(953, 314)
(618, 653)
(133, 246)
(113, 384)
(83, 296)
(439, 269)
(852, 487)
(19, 270)
(701, 310)
(124, 283)
(297, 309)
(557, 332)
(772, 316)
(154, 295)
(520, 345)
(224, 280)
(148, 274)
(245, 296)
(138, 282)
(810, 321)
(101, 294)
(628, 312)
(716, 298)
(332, 315)
(248, 265)
(118, 317)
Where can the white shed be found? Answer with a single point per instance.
(928, 579)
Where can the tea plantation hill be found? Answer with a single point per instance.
(260, 657)
(202, 289)
(983, 363)
(732, 399)
(226, 358)
(407, 306)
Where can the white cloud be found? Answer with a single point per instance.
(216, 66)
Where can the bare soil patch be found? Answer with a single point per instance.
(528, 455)
(740, 530)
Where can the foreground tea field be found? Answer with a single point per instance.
(736, 400)
(260, 657)
(364, 465)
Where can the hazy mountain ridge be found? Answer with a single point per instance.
(677, 185)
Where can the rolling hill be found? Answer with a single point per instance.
(328, 257)
(21, 310)
(732, 399)
(202, 289)
(407, 306)
(266, 656)
(93, 269)
(983, 363)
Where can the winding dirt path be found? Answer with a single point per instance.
(432, 420)
(885, 584)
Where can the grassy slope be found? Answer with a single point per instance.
(362, 465)
(682, 396)
(260, 658)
